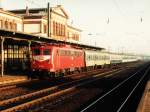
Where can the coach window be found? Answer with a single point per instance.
(46, 52)
(66, 52)
(89, 58)
(99, 57)
(62, 52)
(108, 58)
(57, 52)
(79, 54)
(96, 58)
(76, 53)
(105, 57)
(93, 57)
(69, 53)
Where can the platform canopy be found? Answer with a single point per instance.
(40, 39)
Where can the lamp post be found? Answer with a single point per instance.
(48, 19)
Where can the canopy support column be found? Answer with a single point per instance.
(29, 48)
(2, 56)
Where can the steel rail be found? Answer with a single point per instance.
(109, 92)
(15, 84)
(51, 96)
(125, 101)
(5, 102)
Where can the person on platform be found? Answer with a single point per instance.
(28, 65)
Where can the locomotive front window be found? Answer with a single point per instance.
(36, 51)
(46, 52)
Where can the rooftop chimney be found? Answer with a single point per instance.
(27, 11)
(58, 5)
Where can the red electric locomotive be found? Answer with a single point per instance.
(56, 60)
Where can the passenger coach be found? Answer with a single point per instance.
(96, 59)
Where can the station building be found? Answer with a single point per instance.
(35, 22)
(13, 51)
(10, 21)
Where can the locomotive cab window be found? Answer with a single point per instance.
(46, 52)
(36, 52)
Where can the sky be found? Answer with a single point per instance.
(117, 25)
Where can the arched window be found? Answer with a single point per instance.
(11, 25)
(6, 24)
(54, 28)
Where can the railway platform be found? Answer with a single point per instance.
(144, 105)
(7, 79)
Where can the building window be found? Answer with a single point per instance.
(11, 25)
(6, 24)
(1, 24)
(15, 26)
(54, 28)
(61, 29)
(68, 35)
(64, 30)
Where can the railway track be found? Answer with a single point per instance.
(26, 87)
(73, 76)
(123, 97)
(15, 84)
(5, 104)
(74, 100)
(23, 102)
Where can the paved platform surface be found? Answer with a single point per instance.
(144, 105)
(6, 79)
